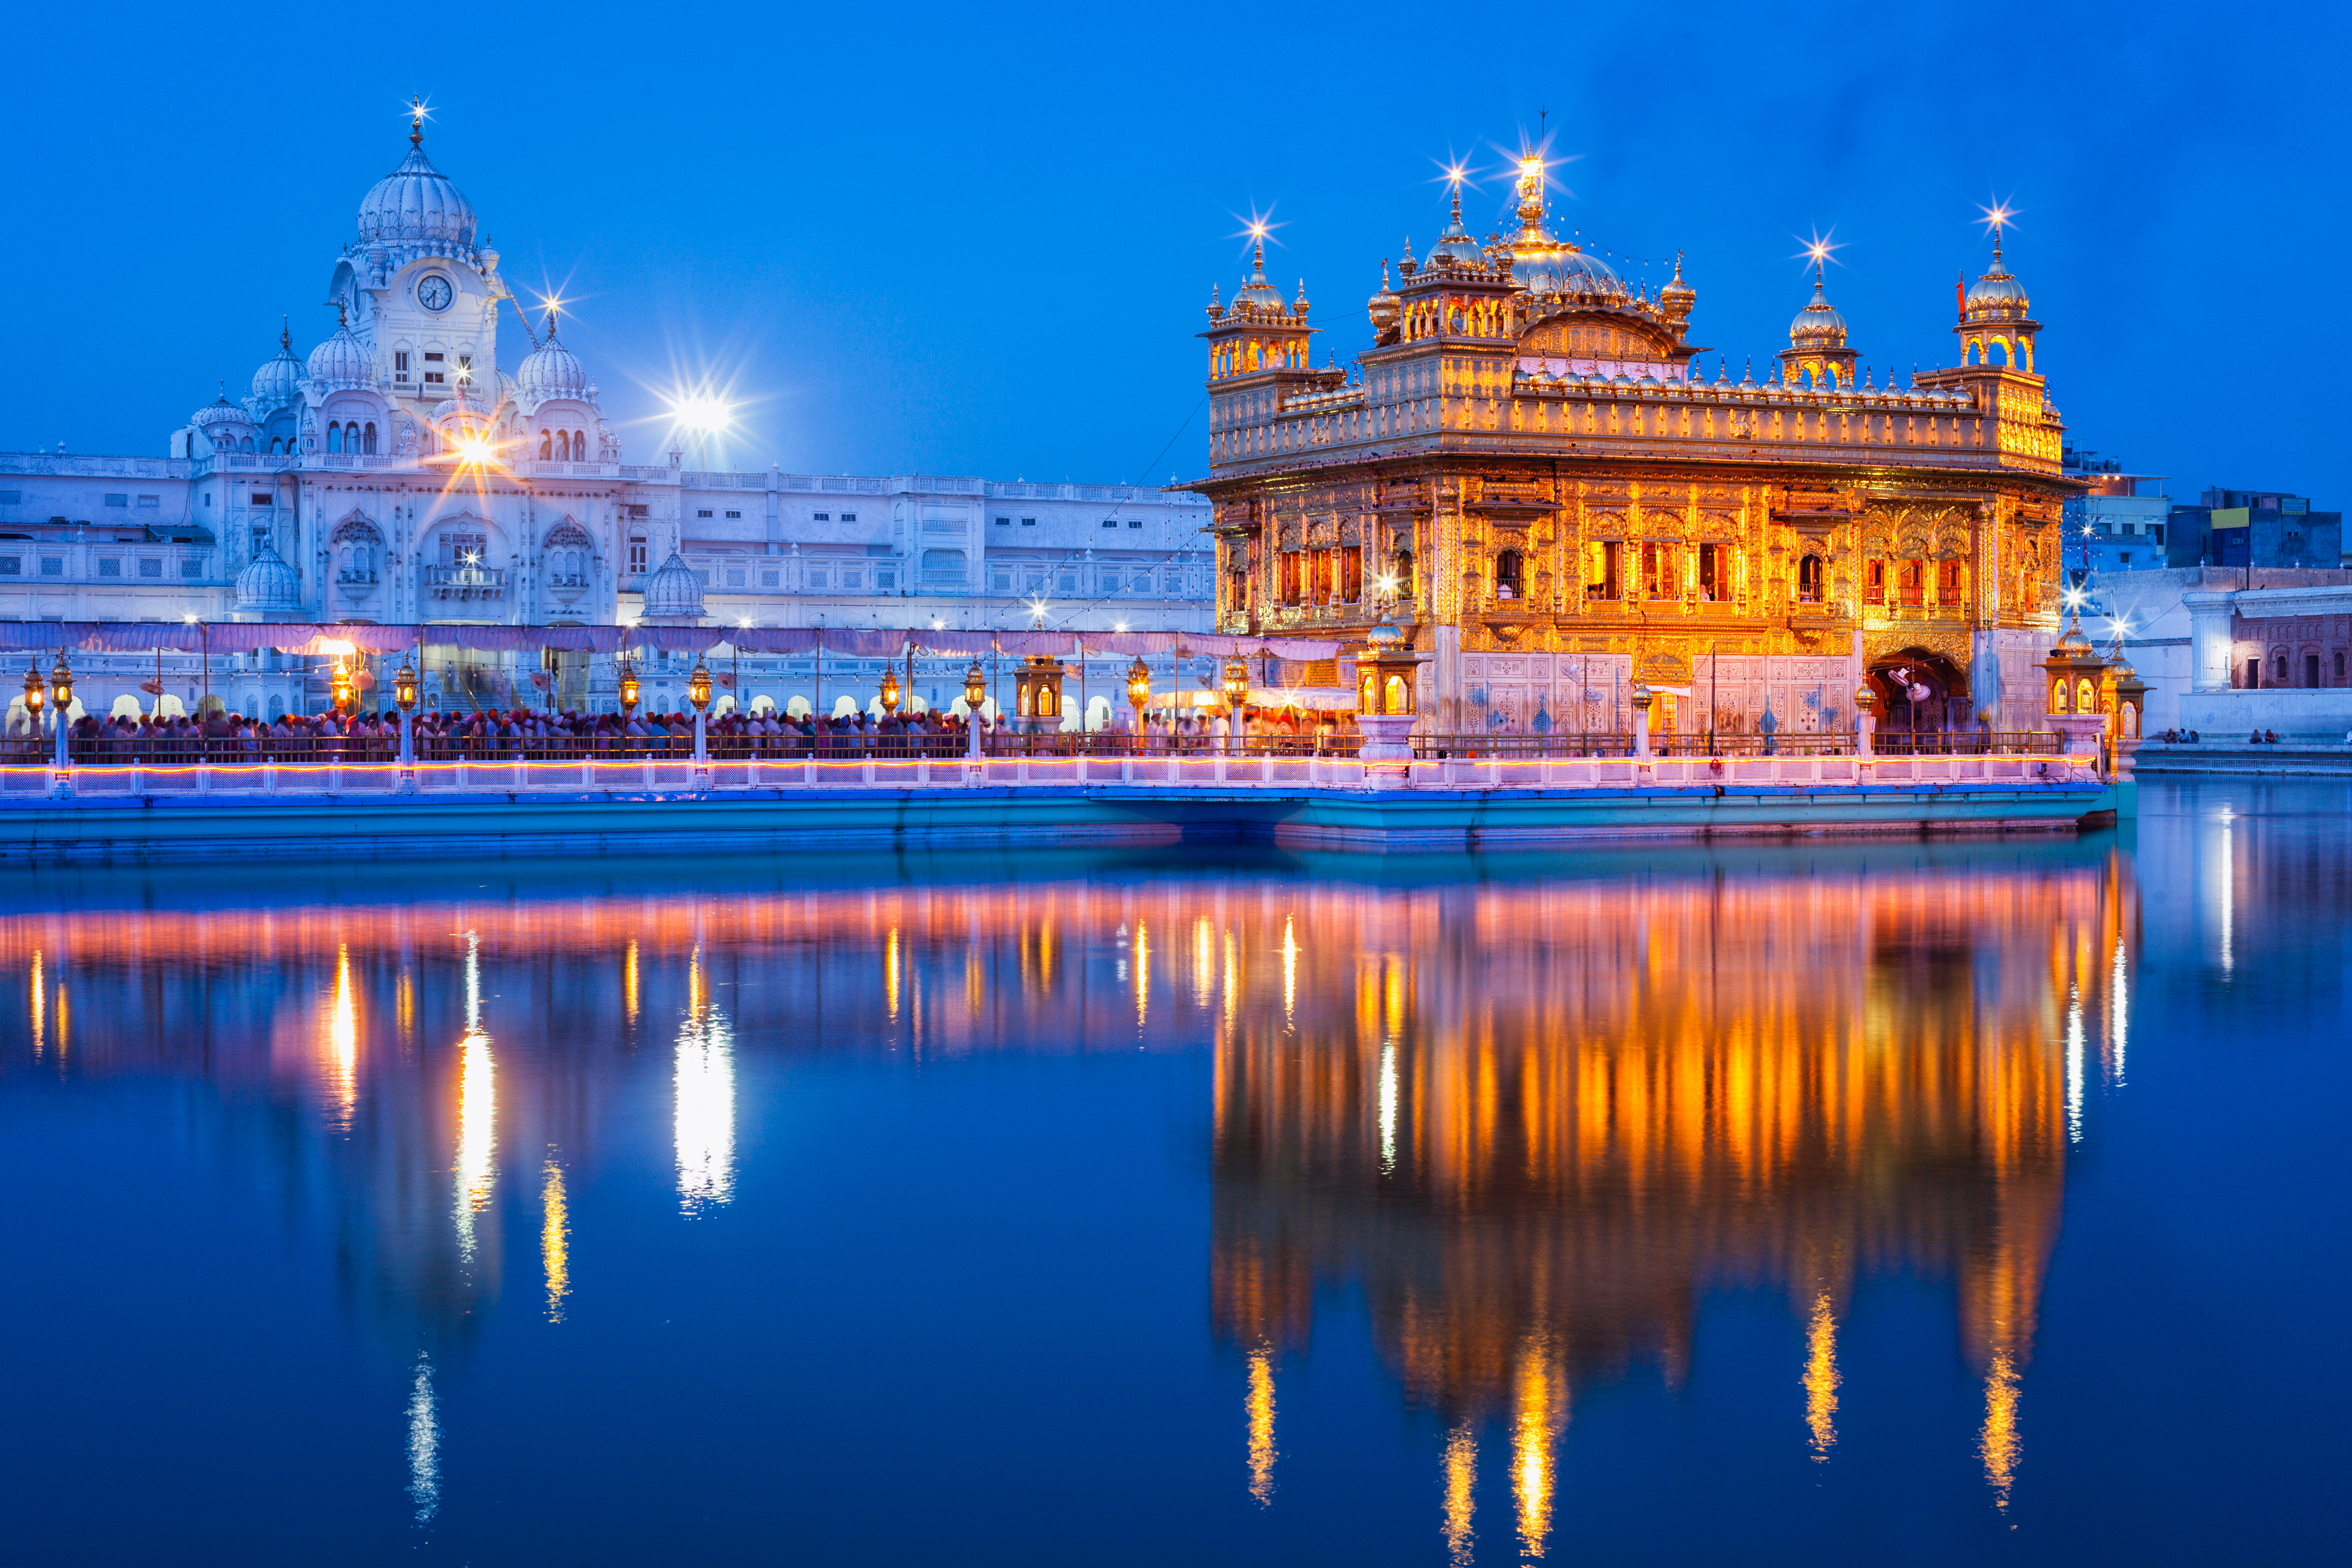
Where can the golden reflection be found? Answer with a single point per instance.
(1535, 1430)
(1822, 1376)
(405, 1011)
(1998, 1442)
(40, 1005)
(629, 985)
(1461, 1493)
(1563, 1113)
(2119, 1014)
(1204, 962)
(477, 1107)
(704, 1086)
(1290, 967)
(890, 973)
(1142, 973)
(343, 1044)
(1233, 976)
(555, 1239)
(1261, 1425)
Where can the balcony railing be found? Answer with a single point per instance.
(466, 582)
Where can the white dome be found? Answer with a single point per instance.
(276, 382)
(268, 584)
(674, 593)
(415, 203)
(552, 371)
(220, 413)
(341, 363)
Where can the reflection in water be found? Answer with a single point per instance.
(1460, 1493)
(706, 1101)
(1261, 1425)
(555, 1239)
(343, 1044)
(1533, 1124)
(477, 1107)
(1530, 1124)
(424, 1443)
(1822, 1376)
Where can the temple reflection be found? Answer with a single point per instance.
(1533, 1126)
(1530, 1122)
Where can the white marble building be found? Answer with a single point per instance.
(395, 474)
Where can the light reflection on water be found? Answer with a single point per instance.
(1522, 1128)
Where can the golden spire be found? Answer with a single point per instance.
(415, 121)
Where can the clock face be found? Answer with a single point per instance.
(434, 293)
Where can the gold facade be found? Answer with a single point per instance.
(1527, 463)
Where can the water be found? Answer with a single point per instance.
(1957, 1203)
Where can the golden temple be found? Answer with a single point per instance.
(1528, 471)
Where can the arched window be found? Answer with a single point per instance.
(563, 446)
(580, 446)
(276, 447)
(367, 439)
(1996, 353)
(2339, 666)
(1809, 580)
(334, 437)
(546, 446)
(1508, 575)
(1975, 354)
(350, 437)
(2278, 669)
(247, 445)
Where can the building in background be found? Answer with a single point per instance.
(2118, 524)
(2255, 528)
(1528, 466)
(395, 474)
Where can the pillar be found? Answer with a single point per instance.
(2210, 639)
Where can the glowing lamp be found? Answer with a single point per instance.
(340, 686)
(35, 692)
(628, 688)
(1237, 683)
(889, 691)
(697, 686)
(61, 684)
(403, 688)
(1138, 685)
(975, 688)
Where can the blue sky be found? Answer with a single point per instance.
(965, 241)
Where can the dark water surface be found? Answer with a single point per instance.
(1949, 1203)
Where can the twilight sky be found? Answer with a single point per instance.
(943, 239)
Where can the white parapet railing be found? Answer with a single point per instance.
(672, 776)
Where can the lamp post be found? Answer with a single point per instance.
(61, 693)
(975, 692)
(1139, 689)
(338, 688)
(1237, 690)
(403, 697)
(36, 693)
(698, 692)
(890, 691)
(629, 691)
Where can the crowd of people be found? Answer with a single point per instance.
(223, 737)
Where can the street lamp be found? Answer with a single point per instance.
(1138, 690)
(698, 692)
(61, 687)
(340, 687)
(890, 691)
(1237, 684)
(975, 692)
(35, 692)
(403, 697)
(628, 687)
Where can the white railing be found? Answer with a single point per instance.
(668, 776)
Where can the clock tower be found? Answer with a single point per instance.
(421, 294)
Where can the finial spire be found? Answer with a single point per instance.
(285, 333)
(343, 318)
(416, 122)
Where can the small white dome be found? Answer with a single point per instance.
(268, 584)
(552, 371)
(674, 592)
(415, 203)
(341, 363)
(216, 413)
(276, 383)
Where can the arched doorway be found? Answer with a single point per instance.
(1920, 694)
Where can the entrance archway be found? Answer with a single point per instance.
(1920, 694)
